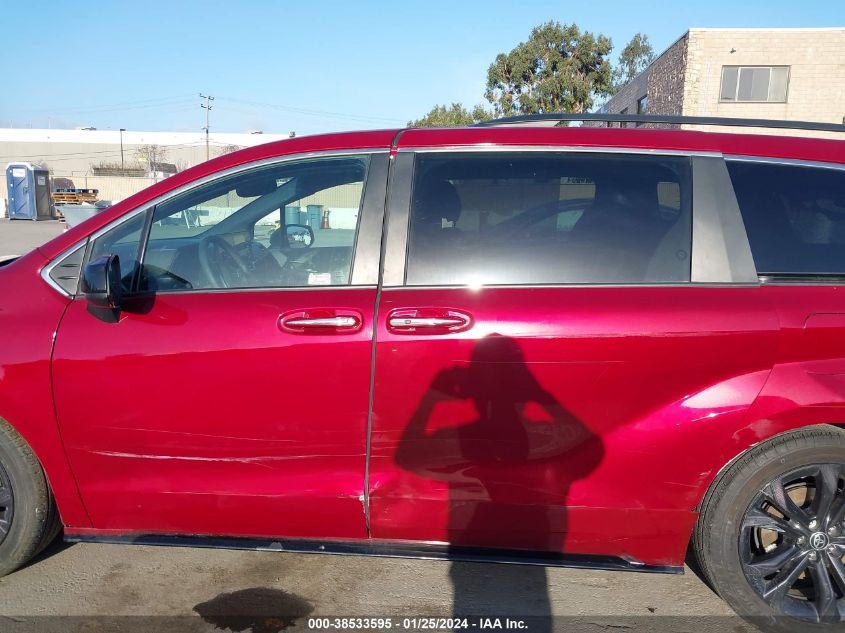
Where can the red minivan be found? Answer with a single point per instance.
(556, 346)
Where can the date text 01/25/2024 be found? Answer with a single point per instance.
(418, 623)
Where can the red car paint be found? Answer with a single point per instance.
(205, 415)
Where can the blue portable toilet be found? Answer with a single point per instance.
(29, 192)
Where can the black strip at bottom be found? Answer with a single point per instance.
(388, 549)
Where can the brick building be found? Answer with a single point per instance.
(796, 74)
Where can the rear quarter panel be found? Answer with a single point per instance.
(807, 382)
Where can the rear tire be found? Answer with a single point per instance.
(29, 519)
(770, 538)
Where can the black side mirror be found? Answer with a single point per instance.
(101, 282)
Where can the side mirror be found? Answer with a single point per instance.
(101, 282)
(299, 236)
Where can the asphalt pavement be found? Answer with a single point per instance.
(86, 587)
(18, 237)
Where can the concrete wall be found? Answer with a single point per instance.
(630, 93)
(71, 153)
(686, 78)
(114, 188)
(816, 57)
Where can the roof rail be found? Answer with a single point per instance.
(555, 117)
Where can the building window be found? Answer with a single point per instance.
(642, 107)
(754, 83)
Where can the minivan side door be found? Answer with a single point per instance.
(559, 353)
(229, 395)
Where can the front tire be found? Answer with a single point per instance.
(28, 517)
(770, 538)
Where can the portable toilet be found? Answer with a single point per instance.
(29, 192)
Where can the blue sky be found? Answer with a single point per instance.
(306, 66)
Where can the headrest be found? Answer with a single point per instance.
(439, 199)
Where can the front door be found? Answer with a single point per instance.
(545, 367)
(229, 394)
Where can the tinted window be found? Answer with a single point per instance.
(287, 225)
(535, 218)
(794, 217)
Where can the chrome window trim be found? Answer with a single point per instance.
(198, 183)
(834, 281)
(167, 293)
(399, 210)
(592, 149)
(674, 284)
(793, 162)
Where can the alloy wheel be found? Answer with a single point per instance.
(792, 543)
(7, 503)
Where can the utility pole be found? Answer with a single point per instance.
(207, 105)
(122, 169)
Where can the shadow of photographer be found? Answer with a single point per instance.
(508, 473)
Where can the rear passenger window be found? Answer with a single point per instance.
(794, 217)
(544, 218)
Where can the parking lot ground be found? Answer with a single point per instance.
(18, 237)
(85, 587)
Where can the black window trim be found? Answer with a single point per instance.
(57, 261)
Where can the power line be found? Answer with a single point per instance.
(126, 105)
(312, 112)
(101, 153)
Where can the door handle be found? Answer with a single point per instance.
(338, 321)
(428, 321)
(321, 321)
(400, 322)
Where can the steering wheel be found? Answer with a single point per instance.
(221, 263)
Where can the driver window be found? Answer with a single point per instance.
(123, 240)
(287, 225)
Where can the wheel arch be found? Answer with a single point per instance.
(47, 449)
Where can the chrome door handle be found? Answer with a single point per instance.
(338, 321)
(400, 322)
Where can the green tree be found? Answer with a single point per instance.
(633, 59)
(558, 69)
(453, 116)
